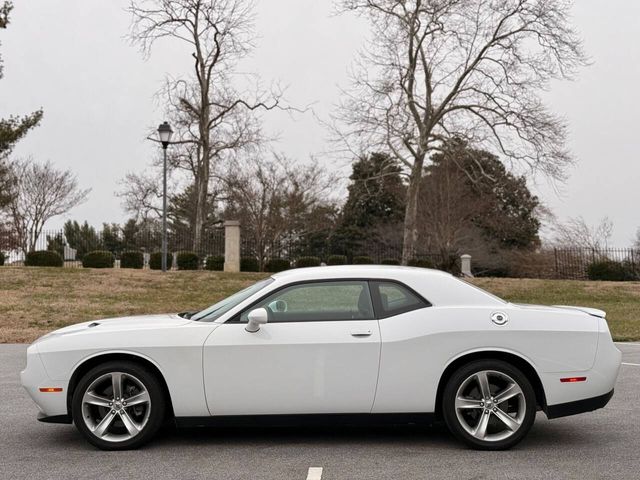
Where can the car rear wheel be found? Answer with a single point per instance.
(118, 405)
(489, 405)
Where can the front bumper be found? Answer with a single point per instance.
(54, 418)
(34, 377)
(578, 406)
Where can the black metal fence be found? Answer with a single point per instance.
(74, 246)
(586, 263)
(559, 263)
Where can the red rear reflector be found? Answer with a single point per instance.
(50, 389)
(573, 379)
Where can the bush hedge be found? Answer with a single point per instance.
(155, 261)
(249, 264)
(131, 259)
(363, 260)
(390, 261)
(43, 258)
(215, 262)
(612, 271)
(420, 262)
(277, 265)
(1, 259)
(188, 261)
(307, 262)
(337, 260)
(98, 259)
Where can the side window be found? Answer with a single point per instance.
(394, 299)
(318, 301)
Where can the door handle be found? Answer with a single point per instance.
(360, 333)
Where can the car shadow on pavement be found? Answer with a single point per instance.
(543, 435)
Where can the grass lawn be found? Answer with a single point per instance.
(34, 301)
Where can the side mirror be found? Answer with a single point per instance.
(256, 317)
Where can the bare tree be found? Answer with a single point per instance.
(213, 118)
(41, 193)
(576, 233)
(636, 241)
(276, 200)
(470, 69)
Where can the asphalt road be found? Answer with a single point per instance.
(602, 444)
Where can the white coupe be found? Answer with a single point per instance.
(347, 344)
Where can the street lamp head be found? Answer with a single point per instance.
(165, 133)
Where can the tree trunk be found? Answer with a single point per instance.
(202, 180)
(202, 185)
(410, 229)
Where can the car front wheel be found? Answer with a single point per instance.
(118, 405)
(489, 405)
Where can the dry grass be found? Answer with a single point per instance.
(34, 301)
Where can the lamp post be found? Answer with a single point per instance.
(164, 133)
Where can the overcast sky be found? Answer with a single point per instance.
(70, 57)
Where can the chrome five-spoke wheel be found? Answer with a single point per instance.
(118, 405)
(489, 404)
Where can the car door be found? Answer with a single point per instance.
(318, 353)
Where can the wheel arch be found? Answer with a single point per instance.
(517, 361)
(88, 363)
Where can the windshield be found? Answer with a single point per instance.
(215, 311)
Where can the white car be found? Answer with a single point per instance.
(348, 343)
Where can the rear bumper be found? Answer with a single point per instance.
(579, 406)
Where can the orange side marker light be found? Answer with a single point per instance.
(50, 389)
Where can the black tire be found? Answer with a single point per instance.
(157, 405)
(454, 423)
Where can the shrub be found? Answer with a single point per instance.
(1, 259)
(277, 265)
(155, 261)
(362, 260)
(44, 258)
(308, 262)
(612, 271)
(390, 261)
(249, 264)
(215, 262)
(131, 259)
(337, 260)
(420, 262)
(98, 259)
(187, 261)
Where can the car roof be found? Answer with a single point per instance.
(438, 287)
(357, 271)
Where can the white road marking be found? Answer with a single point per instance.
(631, 364)
(315, 473)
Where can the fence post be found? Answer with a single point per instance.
(465, 265)
(232, 246)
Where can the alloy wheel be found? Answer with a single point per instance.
(490, 405)
(116, 407)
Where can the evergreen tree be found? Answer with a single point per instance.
(13, 128)
(376, 200)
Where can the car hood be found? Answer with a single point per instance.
(139, 322)
(590, 311)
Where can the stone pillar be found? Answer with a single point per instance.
(232, 246)
(465, 265)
